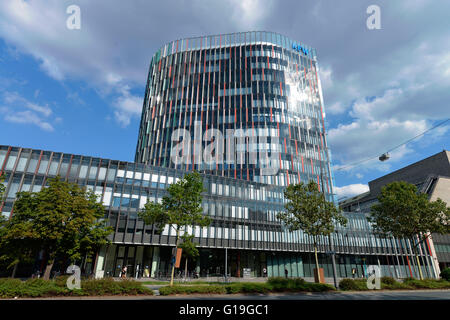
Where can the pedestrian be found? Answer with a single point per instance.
(124, 272)
(264, 272)
(286, 272)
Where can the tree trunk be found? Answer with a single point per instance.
(185, 269)
(317, 262)
(14, 270)
(95, 263)
(173, 265)
(48, 269)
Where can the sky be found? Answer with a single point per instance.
(81, 91)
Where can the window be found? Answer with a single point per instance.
(93, 171)
(11, 161)
(102, 174)
(116, 202)
(111, 174)
(14, 187)
(125, 202)
(22, 162)
(2, 157)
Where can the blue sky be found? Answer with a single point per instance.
(81, 91)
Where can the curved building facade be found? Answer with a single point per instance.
(244, 105)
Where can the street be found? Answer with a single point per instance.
(372, 295)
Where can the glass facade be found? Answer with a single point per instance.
(259, 90)
(243, 217)
(246, 111)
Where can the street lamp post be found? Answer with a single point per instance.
(333, 261)
(226, 264)
(332, 252)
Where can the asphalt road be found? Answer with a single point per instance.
(372, 295)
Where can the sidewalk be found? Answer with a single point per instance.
(221, 279)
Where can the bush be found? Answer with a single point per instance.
(111, 287)
(100, 287)
(445, 274)
(273, 285)
(279, 284)
(388, 280)
(353, 285)
(177, 289)
(61, 280)
(10, 288)
(427, 283)
(248, 287)
(31, 288)
(320, 287)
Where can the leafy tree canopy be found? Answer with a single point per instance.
(308, 210)
(180, 207)
(402, 212)
(2, 186)
(63, 219)
(2, 190)
(189, 248)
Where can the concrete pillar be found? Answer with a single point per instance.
(197, 266)
(155, 261)
(301, 272)
(99, 268)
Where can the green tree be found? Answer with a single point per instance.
(189, 250)
(5, 250)
(2, 190)
(308, 210)
(2, 186)
(402, 212)
(63, 219)
(179, 208)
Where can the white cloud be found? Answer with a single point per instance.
(325, 74)
(17, 109)
(247, 13)
(336, 108)
(351, 190)
(17, 101)
(75, 97)
(363, 139)
(26, 117)
(116, 41)
(127, 106)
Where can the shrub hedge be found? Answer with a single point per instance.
(445, 274)
(427, 283)
(353, 284)
(10, 288)
(388, 280)
(177, 289)
(276, 284)
(388, 283)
